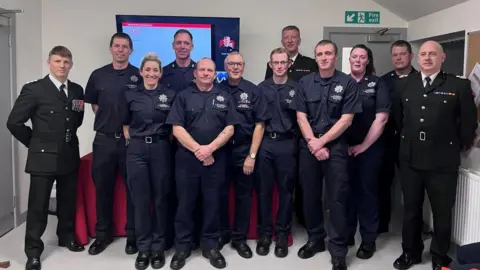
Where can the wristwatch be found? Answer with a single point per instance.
(252, 155)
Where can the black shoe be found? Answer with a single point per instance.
(366, 251)
(222, 241)
(71, 245)
(339, 263)
(310, 249)
(436, 266)
(178, 260)
(281, 247)
(33, 263)
(243, 250)
(98, 246)
(131, 247)
(143, 260)
(157, 259)
(406, 260)
(216, 258)
(263, 245)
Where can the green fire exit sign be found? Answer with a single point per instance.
(362, 17)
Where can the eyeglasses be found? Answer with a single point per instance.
(283, 63)
(232, 64)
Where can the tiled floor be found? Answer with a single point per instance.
(55, 258)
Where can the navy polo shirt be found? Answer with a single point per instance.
(281, 118)
(106, 88)
(325, 100)
(203, 114)
(251, 107)
(178, 78)
(147, 110)
(375, 98)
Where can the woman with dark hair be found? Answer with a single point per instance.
(365, 149)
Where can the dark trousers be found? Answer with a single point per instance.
(385, 180)
(193, 180)
(109, 156)
(37, 213)
(149, 167)
(363, 199)
(312, 173)
(276, 162)
(243, 195)
(441, 189)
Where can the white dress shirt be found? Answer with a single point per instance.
(58, 84)
(433, 76)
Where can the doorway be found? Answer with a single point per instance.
(7, 198)
(377, 39)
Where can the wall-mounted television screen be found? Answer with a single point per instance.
(213, 37)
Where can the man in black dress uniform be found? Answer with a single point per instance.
(436, 117)
(54, 105)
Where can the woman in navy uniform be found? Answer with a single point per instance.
(149, 163)
(366, 149)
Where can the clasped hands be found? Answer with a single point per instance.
(318, 149)
(204, 153)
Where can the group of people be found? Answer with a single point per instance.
(180, 141)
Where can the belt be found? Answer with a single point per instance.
(422, 136)
(150, 139)
(116, 135)
(279, 136)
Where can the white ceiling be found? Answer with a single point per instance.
(414, 9)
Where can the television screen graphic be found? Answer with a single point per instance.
(213, 37)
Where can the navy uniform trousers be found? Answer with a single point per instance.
(277, 162)
(363, 207)
(149, 167)
(193, 179)
(312, 172)
(109, 156)
(243, 194)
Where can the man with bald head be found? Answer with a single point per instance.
(203, 117)
(436, 119)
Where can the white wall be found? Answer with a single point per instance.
(86, 27)
(457, 18)
(29, 67)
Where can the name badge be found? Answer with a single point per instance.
(77, 105)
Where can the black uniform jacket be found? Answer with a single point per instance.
(435, 124)
(52, 138)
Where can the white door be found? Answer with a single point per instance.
(6, 143)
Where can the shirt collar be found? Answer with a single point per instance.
(289, 82)
(175, 65)
(196, 90)
(432, 77)
(57, 82)
(334, 78)
(295, 57)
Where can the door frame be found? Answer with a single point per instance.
(10, 15)
(327, 30)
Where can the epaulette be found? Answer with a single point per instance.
(461, 77)
(30, 82)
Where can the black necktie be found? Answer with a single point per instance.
(427, 85)
(62, 90)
